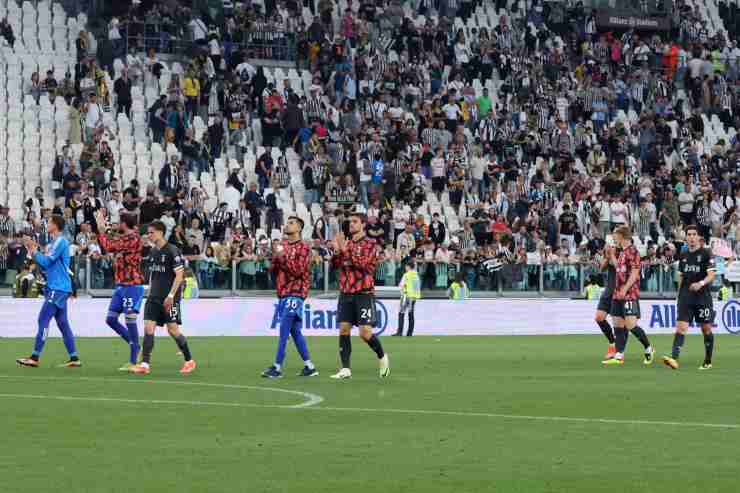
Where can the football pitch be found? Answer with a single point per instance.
(458, 414)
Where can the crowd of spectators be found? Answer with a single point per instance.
(506, 154)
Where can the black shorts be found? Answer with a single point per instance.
(605, 302)
(356, 309)
(438, 183)
(154, 311)
(623, 308)
(700, 311)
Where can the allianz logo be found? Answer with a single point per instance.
(317, 319)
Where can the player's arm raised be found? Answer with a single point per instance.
(117, 244)
(57, 250)
(339, 252)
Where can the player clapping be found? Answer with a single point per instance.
(129, 292)
(356, 260)
(291, 262)
(58, 290)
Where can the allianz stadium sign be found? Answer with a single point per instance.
(607, 19)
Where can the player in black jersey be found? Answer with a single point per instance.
(696, 273)
(163, 303)
(605, 300)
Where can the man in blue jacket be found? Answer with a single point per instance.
(55, 265)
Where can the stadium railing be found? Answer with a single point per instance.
(95, 278)
(172, 39)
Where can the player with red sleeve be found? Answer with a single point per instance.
(356, 260)
(291, 264)
(625, 308)
(129, 292)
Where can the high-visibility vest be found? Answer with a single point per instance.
(458, 291)
(191, 288)
(725, 293)
(593, 291)
(411, 285)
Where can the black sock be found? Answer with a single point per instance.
(400, 324)
(708, 348)
(641, 336)
(411, 325)
(182, 343)
(607, 330)
(345, 350)
(678, 340)
(620, 337)
(375, 345)
(147, 348)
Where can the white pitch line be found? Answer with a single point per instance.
(141, 401)
(565, 419)
(312, 407)
(310, 399)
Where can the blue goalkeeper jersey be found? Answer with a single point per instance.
(55, 265)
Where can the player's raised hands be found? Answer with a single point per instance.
(100, 219)
(340, 241)
(30, 244)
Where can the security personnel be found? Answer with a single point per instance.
(593, 290)
(410, 286)
(458, 290)
(725, 292)
(191, 285)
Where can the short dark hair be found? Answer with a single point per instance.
(298, 220)
(159, 226)
(361, 216)
(692, 227)
(129, 220)
(58, 221)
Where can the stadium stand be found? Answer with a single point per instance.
(501, 139)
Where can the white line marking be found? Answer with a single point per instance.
(565, 419)
(310, 399)
(313, 399)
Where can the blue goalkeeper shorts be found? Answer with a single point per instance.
(127, 299)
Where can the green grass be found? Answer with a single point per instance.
(367, 436)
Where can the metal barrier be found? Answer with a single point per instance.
(178, 40)
(518, 280)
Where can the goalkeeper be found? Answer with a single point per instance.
(410, 286)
